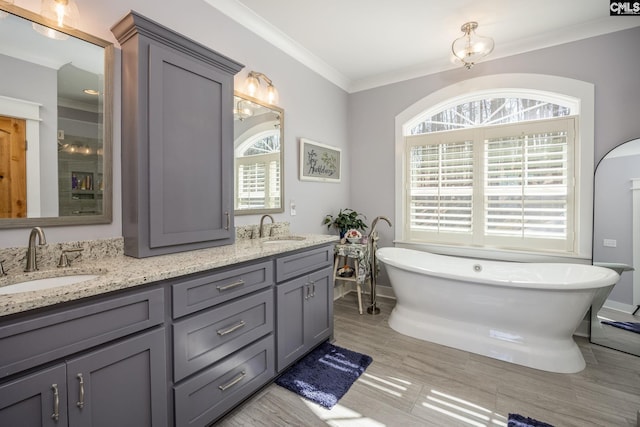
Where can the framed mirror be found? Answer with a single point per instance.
(258, 132)
(615, 316)
(55, 123)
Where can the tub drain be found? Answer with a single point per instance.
(477, 268)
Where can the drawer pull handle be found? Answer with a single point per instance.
(80, 402)
(233, 382)
(56, 402)
(231, 285)
(230, 329)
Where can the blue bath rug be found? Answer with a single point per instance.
(628, 326)
(517, 420)
(325, 375)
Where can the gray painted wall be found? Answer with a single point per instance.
(314, 108)
(362, 124)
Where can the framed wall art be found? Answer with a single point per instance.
(319, 162)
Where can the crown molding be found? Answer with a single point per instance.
(256, 24)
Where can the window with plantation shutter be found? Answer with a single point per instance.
(441, 185)
(507, 186)
(257, 164)
(251, 182)
(528, 185)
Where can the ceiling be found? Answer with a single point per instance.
(79, 65)
(360, 44)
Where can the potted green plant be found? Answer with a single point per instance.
(345, 220)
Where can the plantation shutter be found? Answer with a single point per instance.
(251, 184)
(258, 181)
(273, 200)
(528, 184)
(441, 184)
(508, 186)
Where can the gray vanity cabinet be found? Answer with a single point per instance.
(34, 400)
(223, 339)
(304, 313)
(117, 385)
(120, 385)
(177, 141)
(95, 363)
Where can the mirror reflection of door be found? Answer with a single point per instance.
(13, 168)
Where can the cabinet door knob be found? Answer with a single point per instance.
(80, 402)
(56, 403)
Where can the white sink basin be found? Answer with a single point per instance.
(47, 283)
(283, 239)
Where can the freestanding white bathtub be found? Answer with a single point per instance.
(524, 313)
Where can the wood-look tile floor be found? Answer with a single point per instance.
(417, 383)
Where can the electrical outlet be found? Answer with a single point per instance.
(292, 205)
(609, 243)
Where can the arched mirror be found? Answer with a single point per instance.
(55, 123)
(615, 318)
(258, 133)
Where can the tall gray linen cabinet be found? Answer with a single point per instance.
(177, 141)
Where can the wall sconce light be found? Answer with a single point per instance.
(253, 88)
(63, 12)
(471, 47)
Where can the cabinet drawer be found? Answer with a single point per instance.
(40, 339)
(288, 267)
(207, 337)
(205, 397)
(205, 291)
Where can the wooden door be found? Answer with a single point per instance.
(13, 168)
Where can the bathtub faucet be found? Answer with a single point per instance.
(373, 263)
(375, 223)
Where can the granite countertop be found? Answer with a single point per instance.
(122, 272)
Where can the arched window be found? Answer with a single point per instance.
(491, 109)
(258, 171)
(494, 169)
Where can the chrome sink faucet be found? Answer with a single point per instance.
(262, 223)
(31, 250)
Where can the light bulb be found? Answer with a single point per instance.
(272, 94)
(252, 86)
(63, 12)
